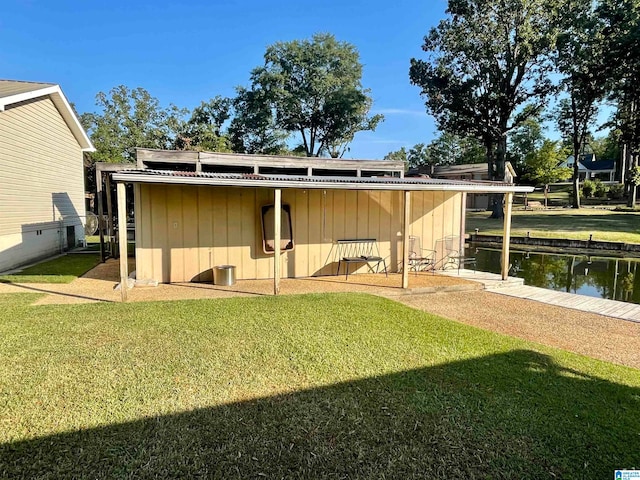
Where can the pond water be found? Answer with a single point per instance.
(594, 276)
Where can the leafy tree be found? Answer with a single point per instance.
(253, 128)
(313, 88)
(418, 155)
(524, 141)
(621, 32)
(397, 155)
(544, 166)
(606, 147)
(580, 61)
(203, 130)
(451, 149)
(486, 62)
(129, 119)
(445, 149)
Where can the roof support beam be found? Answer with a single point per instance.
(463, 221)
(111, 234)
(277, 207)
(100, 213)
(122, 233)
(506, 239)
(405, 238)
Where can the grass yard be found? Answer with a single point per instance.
(63, 269)
(559, 195)
(315, 386)
(605, 225)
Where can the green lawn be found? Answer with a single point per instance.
(315, 386)
(63, 269)
(606, 225)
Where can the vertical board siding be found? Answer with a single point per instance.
(41, 179)
(204, 214)
(222, 225)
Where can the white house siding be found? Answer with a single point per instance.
(41, 182)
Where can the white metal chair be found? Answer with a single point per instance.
(420, 259)
(454, 257)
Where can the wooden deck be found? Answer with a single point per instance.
(515, 287)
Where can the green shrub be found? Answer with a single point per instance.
(588, 188)
(616, 191)
(601, 189)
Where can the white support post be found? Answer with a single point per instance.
(463, 221)
(405, 239)
(277, 207)
(506, 238)
(110, 229)
(122, 239)
(100, 212)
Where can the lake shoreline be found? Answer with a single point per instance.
(564, 245)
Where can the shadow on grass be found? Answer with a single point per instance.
(512, 415)
(28, 288)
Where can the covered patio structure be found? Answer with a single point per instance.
(198, 210)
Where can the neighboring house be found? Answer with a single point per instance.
(198, 210)
(477, 172)
(589, 167)
(42, 191)
(471, 171)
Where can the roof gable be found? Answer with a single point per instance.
(12, 92)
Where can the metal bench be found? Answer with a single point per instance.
(359, 251)
(534, 205)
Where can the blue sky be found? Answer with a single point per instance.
(185, 52)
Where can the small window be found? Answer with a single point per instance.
(268, 234)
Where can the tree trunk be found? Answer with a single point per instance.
(633, 189)
(497, 200)
(546, 195)
(623, 166)
(575, 180)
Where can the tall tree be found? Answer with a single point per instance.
(314, 89)
(524, 141)
(580, 61)
(544, 166)
(399, 156)
(486, 62)
(253, 128)
(621, 33)
(418, 155)
(129, 119)
(607, 147)
(203, 130)
(451, 149)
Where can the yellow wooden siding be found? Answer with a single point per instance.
(184, 231)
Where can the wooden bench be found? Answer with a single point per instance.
(359, 251)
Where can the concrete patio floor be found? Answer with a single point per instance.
(98, 285)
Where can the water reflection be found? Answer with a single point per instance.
(602, 277)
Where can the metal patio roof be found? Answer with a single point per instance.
(313, 182)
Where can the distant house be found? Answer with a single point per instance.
(589, 167)
(42, 193)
